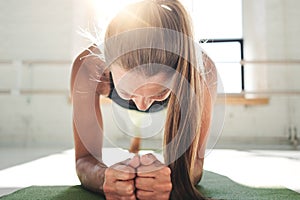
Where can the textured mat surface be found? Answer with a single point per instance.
(220, 187)
(212, 185)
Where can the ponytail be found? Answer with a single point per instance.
(184, 115)
(183, 123)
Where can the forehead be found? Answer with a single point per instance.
(139, 73)
(131, 80)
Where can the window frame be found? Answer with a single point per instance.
(239, 40)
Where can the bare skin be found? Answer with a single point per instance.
(153, 179)
(142, 178)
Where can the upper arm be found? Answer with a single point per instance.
(87, 119)
(204, 133)
(209, 95)
(211, 76)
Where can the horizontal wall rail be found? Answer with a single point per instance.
(268, 93)
(38, 92)
(273, 62)
(38, 62)
(262, 62)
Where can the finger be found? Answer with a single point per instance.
(164, 186)
(141, 194)
(149, 170)
(142, 183)
(148, 159)
(125, 188)
(160, 172)
(121, 172)
(135, 161)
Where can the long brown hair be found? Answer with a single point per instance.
(183, 124)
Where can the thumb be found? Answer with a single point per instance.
(148, 159)
(134, 162)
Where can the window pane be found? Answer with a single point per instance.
(227, 56)
(223, 51)
(230, 75)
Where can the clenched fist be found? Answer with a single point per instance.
(153, 180)
(119, 180)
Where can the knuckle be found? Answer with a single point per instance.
(108, 172)
(107, 188)
(166, 171)
(147, 159)
(129, 190)
(124, 188)
(169, 186)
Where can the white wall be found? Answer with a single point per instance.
(38, 41)
(271, 31)
(46, 31)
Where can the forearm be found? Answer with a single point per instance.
(198, 171)
(91, 173)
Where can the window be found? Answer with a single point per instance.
(227, 54)
(218, 27)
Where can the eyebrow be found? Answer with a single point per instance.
(161, 92)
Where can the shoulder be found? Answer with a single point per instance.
(88, 61)
(89, 67)
(210, 74)
(206, 66)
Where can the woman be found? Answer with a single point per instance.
(150, 63)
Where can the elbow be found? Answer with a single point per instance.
(197, 179)
(80, 169)
(83, 169)
(198, 172)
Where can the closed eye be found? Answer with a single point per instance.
(159, 96)
(162, 94)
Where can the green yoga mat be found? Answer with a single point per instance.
(212, 185)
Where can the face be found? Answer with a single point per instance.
(143, 91)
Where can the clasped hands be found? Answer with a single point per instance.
(142, 177)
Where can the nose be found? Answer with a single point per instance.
(142, 103)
